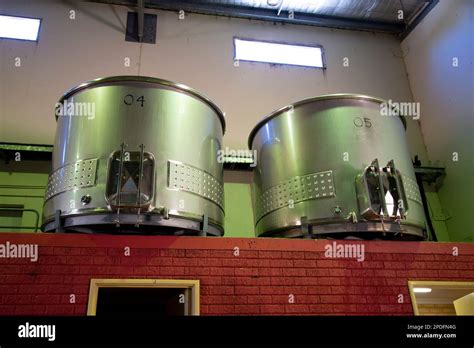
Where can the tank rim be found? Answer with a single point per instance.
(147, 79)
(310, 100)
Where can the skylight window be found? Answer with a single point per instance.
(19, 28)
(278, 53)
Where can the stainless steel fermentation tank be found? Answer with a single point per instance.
(144, 161)
(333, 166)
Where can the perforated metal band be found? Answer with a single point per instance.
(187, 178)
(297, 189)
(412, 190)
(72, 176)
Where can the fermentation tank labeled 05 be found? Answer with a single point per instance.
(136, 154)
(334, 166)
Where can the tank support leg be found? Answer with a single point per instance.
(57, 222)
(306, 229)
(204, 226)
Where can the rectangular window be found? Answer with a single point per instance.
(19, 28)
(278, 53)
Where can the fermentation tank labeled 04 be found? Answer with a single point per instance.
(136, 154)
(334, 166)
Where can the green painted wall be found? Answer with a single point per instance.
(238, 211)
(26, 189)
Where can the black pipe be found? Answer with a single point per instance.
(419, 181)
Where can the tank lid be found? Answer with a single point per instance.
(146, 79)
(310, 100)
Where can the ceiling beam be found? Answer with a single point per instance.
(195, 6)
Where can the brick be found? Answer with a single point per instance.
(402, 257)
(33, 289)
(297, 308)
(211, 280)
(7, 310)
(298, 255)
(18, 299)
(93, 251)
(382, 299)
(294, 272)
(269, 254)
(49, 279)
(249, 254)
(270, 272)
(306, 281)
(368, 308)
(449, 273)
(318, 255)
(222, 271)
(436, 265)
(133, 261)
(30, 310)
(197, 253)
(246, 290)
(396, 281)
(80, 260)
(230, 299)
(19, 279)
(427, 273)
(331, 298)
(210, 262)
(424, 257)
(386, 273)
(60, 309)
(394, 265)
(321, 308)
(305, 263)
(172, 270)
(296, 290)
(272, 290)
(232, 280)
(318, 272)
(52, 260)
(221, 253)
(221, 309)
(282, 281)
(66, 251)
(372, 264)
(460, 265)
(246, 272)
(173, 252)
(219, 290)
(281, 263)
(344, 308)
(395, 308)
(308, 299)
(272, 309)
(340, 272)
(362, 273)
(247, 309)
(46, 299)
(355, 299)
(254, 281)
(378, 256)
(77, 279)
(159, 261)
(259, 299)
(330, 281)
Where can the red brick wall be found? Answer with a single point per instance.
(258, 281)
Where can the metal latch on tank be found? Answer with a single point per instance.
(130, 180)
(380, 192)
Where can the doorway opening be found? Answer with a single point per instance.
(143, 298)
